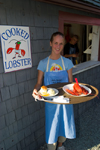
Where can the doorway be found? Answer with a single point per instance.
(83, 32)
(89, 25)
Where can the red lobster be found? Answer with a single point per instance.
(10, 49)
(77, 89)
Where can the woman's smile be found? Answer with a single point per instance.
(57, 44)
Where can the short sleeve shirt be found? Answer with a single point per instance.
(55, 65)
(67, 48)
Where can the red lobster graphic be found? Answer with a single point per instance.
(17, 50)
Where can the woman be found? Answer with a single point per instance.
(59, 122)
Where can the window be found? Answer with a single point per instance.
(88, 30)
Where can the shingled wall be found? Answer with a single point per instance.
(90, 77)
(22, 125)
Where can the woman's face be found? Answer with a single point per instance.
(57, 44)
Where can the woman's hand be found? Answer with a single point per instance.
(36, 95)
(38, 85)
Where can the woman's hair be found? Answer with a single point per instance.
(55, 34)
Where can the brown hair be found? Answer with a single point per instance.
(55, 34)
(76, 36)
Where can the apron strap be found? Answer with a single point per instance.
(49, 60)
(48, 64)
(63, 63)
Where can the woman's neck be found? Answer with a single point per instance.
(54, 57)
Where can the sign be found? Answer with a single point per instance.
(15, 44)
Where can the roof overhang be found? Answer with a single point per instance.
(75, 4)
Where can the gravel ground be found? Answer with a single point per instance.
(87, 131)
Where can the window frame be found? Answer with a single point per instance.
(66, 17)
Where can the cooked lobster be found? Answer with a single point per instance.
(77, 89)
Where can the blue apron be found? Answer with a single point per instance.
(59, 118)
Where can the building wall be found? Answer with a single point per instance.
(22, 125)
(90, 77)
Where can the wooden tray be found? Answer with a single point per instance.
(73, 99)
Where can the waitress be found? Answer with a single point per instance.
(59, 118)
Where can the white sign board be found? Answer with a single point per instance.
(15, 44)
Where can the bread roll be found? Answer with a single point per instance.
(43, 89)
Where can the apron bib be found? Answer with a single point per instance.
(59, 118)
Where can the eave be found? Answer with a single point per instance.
(75, 4)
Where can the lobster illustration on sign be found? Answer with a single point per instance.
(17, 50)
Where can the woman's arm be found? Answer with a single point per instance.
(70, 76)
(38, 84)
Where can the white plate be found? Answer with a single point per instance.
(70, 87)
(56, 92)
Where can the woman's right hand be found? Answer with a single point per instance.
(38, 85)
(36, 95)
